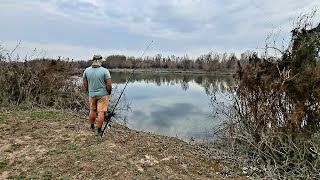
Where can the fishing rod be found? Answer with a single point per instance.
(110, 114)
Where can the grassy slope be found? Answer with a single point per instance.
(56, 145)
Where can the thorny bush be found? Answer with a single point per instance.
(274, 122)
(41, 82)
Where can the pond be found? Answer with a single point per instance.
(176, 105)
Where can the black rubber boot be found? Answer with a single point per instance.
(92, 127)
(99, 132)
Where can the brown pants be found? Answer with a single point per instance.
(99, 103)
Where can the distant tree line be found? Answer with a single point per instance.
(209, 62)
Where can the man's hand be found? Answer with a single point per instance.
(109, 86)
(85, 85)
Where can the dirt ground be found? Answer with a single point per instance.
(56, 145)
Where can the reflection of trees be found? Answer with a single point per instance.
(185, 83)
(217, 83)
(210, 83)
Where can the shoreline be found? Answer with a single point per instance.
(174, 71)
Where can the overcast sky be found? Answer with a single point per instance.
(80, 28)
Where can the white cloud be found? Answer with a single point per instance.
(178, 26)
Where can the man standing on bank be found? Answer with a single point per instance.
(97, 82)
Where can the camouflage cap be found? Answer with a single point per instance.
(97, 60)
(97, 57)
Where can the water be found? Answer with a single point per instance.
(173, 105)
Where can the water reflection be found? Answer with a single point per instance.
(210, 83)
(171, 104)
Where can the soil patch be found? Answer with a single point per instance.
(57, 145)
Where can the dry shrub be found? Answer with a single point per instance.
(40, 82)
(48, 83)
(273, 126)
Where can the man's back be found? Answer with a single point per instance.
(97, 77)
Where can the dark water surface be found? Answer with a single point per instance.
(173, 105)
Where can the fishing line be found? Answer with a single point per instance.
(109, 115)
(274, 34)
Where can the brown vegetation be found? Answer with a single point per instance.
(44, 82)
(274, 122)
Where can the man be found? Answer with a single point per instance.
(97, 82)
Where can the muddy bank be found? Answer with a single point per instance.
(57, 145)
